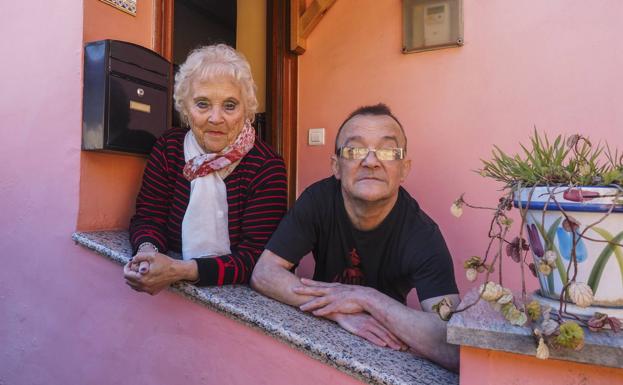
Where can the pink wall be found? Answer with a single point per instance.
(109, 182)
(552, 64)
(66, 316)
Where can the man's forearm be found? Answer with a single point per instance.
(276, 281)
(424, 332)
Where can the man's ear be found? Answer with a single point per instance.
(405, 169)
(335, 166)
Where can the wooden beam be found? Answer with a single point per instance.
(163, 28)
(312, 15)
(303, 21)
(297, 44)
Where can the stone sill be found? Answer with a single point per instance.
(318, 338)
(482, 327)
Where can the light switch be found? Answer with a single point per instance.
(315, 137)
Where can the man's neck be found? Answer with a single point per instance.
(365, 215)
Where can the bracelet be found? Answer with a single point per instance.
(144, 244)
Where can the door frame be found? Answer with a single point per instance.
(282, 89)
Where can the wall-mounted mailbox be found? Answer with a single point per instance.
(125, 97)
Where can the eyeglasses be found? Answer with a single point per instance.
(359, 153)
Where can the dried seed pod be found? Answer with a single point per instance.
(550, 257)
(549, 327)
(443, 308)
(472, 262)
(506, 297)
(492, 291)
(542, 351)
(570, 224)
(544, 268)
(444, 312)
(471, 274)
(534, 310)
(580, 293)
(507, 309)
(571, 336)
(518, 317)
(456, 209)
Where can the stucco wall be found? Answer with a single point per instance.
(66, 316)
(554, 65)
(486, 367)
(109, 182)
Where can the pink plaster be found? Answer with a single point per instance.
(553, 65)
(66, 316)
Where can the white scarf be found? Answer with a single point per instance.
(205, 228)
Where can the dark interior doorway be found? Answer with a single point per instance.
(202, 22)
(198, 23)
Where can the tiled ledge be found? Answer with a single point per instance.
(320, 339)
(482, 327)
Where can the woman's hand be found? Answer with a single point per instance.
(151, 272)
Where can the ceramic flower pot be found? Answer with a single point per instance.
(599, 263)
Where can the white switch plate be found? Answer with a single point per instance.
(315, 137)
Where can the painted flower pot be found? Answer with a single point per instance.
(600, 264)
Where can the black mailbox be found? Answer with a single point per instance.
(125, 97)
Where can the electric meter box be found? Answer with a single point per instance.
(432, 24)
(125, 97)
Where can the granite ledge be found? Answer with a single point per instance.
(318, 338)
(482, 327)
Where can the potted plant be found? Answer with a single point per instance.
(569, 197)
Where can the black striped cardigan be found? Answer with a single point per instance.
(256, 198)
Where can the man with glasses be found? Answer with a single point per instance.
(371, 243)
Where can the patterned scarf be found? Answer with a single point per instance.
(204, 164)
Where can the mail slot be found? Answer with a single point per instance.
(125, 97)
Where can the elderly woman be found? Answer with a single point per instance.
(214, 193)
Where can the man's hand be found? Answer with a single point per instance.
(365, 326)
(333, 297)
(152, 272)
(344, 304)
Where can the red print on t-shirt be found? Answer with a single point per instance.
(352, 274)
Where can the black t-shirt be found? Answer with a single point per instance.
(405, 251)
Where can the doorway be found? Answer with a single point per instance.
(278, 124)
(198, 23)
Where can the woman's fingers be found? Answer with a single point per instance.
(142, 257)
(129, 272)
(133, 285)
(143, 267)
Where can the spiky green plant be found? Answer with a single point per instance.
(571, 161)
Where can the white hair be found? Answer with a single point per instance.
(215, 60)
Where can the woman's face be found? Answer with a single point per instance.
(215, 112)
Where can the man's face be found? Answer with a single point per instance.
(370, 179)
